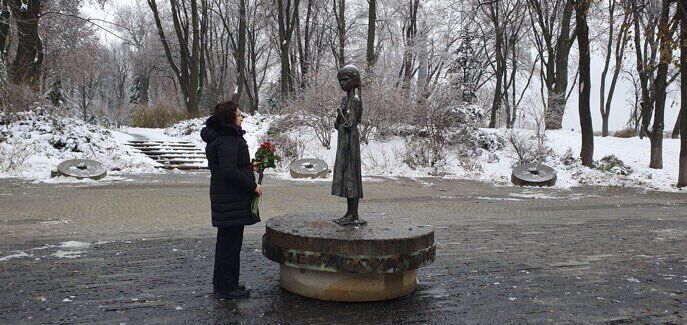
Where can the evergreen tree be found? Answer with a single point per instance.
(55, 95)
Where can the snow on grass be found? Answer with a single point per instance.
(386, 158)
(47, 142)
(33, 145)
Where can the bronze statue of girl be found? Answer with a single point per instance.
(348, 180)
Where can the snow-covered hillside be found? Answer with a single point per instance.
(36, 144)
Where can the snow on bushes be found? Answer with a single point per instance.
(612, 164)
(34, 143)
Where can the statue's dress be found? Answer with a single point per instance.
(348, 180)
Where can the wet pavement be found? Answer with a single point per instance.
(141, 251)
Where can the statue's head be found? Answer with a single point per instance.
(349, 77)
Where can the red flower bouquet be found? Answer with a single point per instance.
(264, 158)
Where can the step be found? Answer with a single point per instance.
(161, 144)
(178, 157)
(184, 167)
(162, 153)
(169, 148)
(156, 141)
(181, 161)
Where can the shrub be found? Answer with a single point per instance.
(527, 146)
(613, 164)
(288, 148)
(628, 132)
(14, 153)
(157, 116)
(315, 107)
(422, 152)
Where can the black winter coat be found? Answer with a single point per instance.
(232, 182)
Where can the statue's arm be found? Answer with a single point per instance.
(339, 117)
(354, 114)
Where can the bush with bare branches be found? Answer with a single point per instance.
(444, 122)
(315, 107)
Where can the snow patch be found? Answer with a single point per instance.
(17, 255)
(67, 254)
(74, 244)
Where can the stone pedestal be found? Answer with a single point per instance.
(322, 260)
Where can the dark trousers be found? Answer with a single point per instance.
(227, 258)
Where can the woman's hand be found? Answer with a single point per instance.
(256, 166)
(258, 190)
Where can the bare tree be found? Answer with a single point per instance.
(621, 39)
(190, 23)
(682, 169)
(553, 39)
(4, 28)
(409, 29)
(339, 10)
(138, 30)
(371, 29)
(287, 12)
(507, 21)
(582, 32)
(28, 60)
(654, 55)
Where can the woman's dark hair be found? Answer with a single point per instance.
(226, 112)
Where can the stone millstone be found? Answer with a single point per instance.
(309, 168)
(82, 168)
(322, 260)
(531, 174)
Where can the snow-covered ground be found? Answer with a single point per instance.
(34, 145)
(634, 153)
(37, 138)
(386, 158)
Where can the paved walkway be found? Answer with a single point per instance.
(141, 252)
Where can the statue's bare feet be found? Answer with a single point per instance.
(350, 219)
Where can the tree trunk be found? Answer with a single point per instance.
(661, 84)
(682, 167)
(409, 51)
(145, 90)
(4, 28)
(500, 71)
(604, 125)
(240, 55)
(190, 71)
(604, 73)
(28, 60)
(676, 128)
(554, 120)
(371, 28)
(339, 11)
(587, 152)
(286, 19)
(304, 43)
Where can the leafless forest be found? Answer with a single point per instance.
(519, 61)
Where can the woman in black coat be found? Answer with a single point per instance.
(232, 188)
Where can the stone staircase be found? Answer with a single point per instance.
(182, 155)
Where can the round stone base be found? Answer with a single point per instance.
(342, 286)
